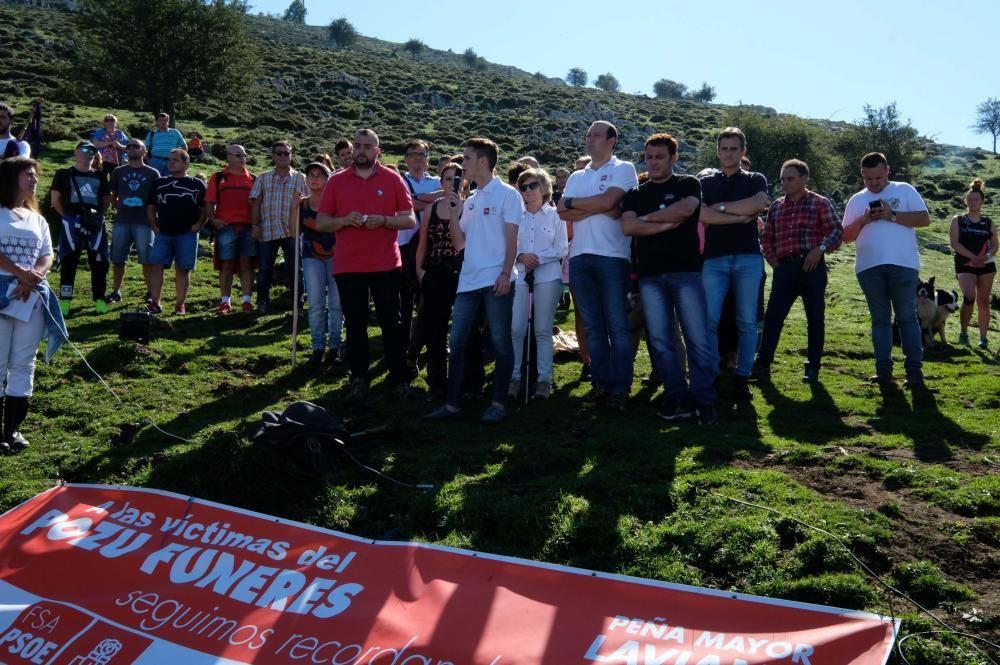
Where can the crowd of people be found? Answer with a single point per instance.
(472, 266)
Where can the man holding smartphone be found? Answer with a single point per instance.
(882, 219)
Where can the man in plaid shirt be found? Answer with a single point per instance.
(801, 228)
(275, 200)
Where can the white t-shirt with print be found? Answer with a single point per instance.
(601, 234)
(484, 218)
(883, 242)
(24, 237)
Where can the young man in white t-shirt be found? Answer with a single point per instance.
(487, 231)
(882, 219)
(599, 262)
(9, 145)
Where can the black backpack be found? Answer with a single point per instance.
(306, 433)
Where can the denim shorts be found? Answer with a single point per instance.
(233, 241)
(183, 248)
(124, 235)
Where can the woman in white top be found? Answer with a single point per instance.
(541, 245)
(25, 259)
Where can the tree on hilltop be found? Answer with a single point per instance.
(296, 12)
(667, 89)
(988, 119)
(883, 130)
(167, 68)
(342, 33)
(608, 83)
(472, 60)
(705, 94)
(414, 47)
(577, 77)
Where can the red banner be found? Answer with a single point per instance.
(94, 575)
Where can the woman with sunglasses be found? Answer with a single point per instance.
(29, 309)
(541, 245)
(80, 195)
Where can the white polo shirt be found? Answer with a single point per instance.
(484, 218)
(883, 242)
(426, 185)
(601, 234)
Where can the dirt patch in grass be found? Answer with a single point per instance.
(922, 530)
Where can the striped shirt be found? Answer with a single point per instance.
(276, 194)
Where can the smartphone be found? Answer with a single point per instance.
(457, 184)
(875, 205)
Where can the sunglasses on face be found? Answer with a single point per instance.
(528, 186)
(421, 155)
(90, 150)
(281, 153)
(133, 145)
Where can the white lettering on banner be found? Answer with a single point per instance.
(155, 613)
(333, 652)
(78, 534)
(29, 647)
(220, 535)
(246, 582)
(634, 652)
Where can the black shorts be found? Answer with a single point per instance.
(961, 267)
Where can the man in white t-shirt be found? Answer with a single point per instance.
(9, 145)
(599, 262)
(487, 231)
(882, 219)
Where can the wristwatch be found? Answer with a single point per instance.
(722, 207)
(893, 218)
(568, 200)
(822, 247)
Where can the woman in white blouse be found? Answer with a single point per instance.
(541, 245)
(28, 309)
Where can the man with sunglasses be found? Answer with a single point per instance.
(228, 207)
(130, 186)
(275, 198)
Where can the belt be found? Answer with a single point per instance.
(790, 259)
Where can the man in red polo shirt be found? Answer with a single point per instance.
(228, 203)
(366, 204)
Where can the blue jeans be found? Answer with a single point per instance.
(181, 248)
(680, 295)
(742, 272)
(791, 281)
(267, 253)
(601, 285)
(325, 316)
(891, 289)
(463, 320)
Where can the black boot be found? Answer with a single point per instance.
(14, 411)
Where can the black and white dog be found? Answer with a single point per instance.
(934, 306)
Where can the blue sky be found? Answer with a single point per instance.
(817, 60)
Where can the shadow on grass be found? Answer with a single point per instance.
(933, 433)
(816, 420)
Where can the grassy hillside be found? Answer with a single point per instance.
(907, 481)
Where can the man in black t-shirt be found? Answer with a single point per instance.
(662, 215)
(731, 200)
(176, 214)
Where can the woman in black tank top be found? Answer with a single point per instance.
(974, 241)
(438, 266)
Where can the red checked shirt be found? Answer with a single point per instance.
(794, 228)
